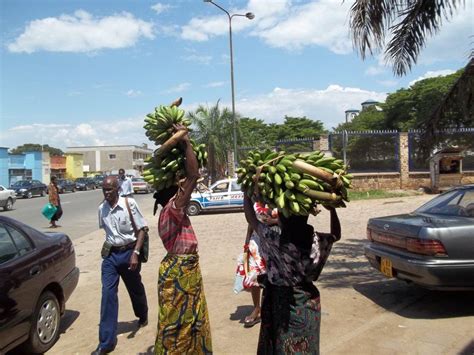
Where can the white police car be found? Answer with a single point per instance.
(223, 194)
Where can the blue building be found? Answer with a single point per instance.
(27, 166)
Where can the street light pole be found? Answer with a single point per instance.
(250, 16)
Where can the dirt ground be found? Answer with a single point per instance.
(362, 312)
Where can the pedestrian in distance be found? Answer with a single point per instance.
(120, 253)
(295, 256)
(55, 200)
(125, 184)
(183, 320)
(256, 264)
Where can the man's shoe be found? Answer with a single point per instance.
(100, 351)
(142, 323)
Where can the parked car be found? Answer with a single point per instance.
(38, 273)
(7, 198)
(140, 185)
(65, 185)
(85, 184)
(223, 194)
(432, 247)
(28, 188)
(98, 180)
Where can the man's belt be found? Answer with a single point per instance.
(123, 247)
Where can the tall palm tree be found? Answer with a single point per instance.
(213, 127)
(406, 23)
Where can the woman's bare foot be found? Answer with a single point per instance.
(253, 318)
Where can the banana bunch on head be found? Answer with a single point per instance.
(294, 183)
(164, 170)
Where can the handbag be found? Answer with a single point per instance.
(49, 210)
(143, 257)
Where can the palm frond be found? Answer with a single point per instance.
(419, 19)
(407, 22)
(369, 20)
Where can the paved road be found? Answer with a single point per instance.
(80, 211)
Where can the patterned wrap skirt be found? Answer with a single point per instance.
(183, 320)
(291, 319)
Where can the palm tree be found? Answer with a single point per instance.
(406, 22)
(213, 127)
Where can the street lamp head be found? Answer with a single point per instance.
(249, 15)
(207, 0)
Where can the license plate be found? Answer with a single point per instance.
(386, 267)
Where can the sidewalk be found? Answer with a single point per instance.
(362, 312)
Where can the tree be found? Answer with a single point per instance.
(32, 147)
(254, 132)
(406, 23)
(407, 108)
(213, 127)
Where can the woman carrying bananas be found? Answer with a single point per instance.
(294, 258)
(183, 320)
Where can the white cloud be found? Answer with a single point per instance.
(179, 88)
(133, 93)
(74, 93)
(124, 131)
(327, 105)
(85, 129)
(81, 32)
(282, 24)
(374, 70)
(388, 83)
(432, 74)
(200, 59)
(323, 23)
(159, 8)
(214, 84)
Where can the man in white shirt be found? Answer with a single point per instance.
(125, 184)
(120, 260)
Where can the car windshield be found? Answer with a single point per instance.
(138, 180)
(81, 180)
(454, 203)
(21, 183)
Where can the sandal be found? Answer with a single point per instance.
(250, 321)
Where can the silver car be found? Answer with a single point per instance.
(432, 247)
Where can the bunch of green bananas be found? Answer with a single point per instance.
(165, 170)
(159, 124)
(294, 183)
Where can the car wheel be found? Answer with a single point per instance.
(29, 194)
(73, 189)
(193, 209)
(42, 193)
(9, 205)
(44, 329)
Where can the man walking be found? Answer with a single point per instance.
(120, 259)
(125, 184)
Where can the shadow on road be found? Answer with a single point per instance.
(347, 266)
(414, 302)
(67, 320)
(469, 349)
(241, 312)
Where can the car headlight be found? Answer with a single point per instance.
(22, 190)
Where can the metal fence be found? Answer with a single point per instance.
(367, 151)
(463, 137)
(379, 151)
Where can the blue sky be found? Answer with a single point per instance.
(85, 72)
